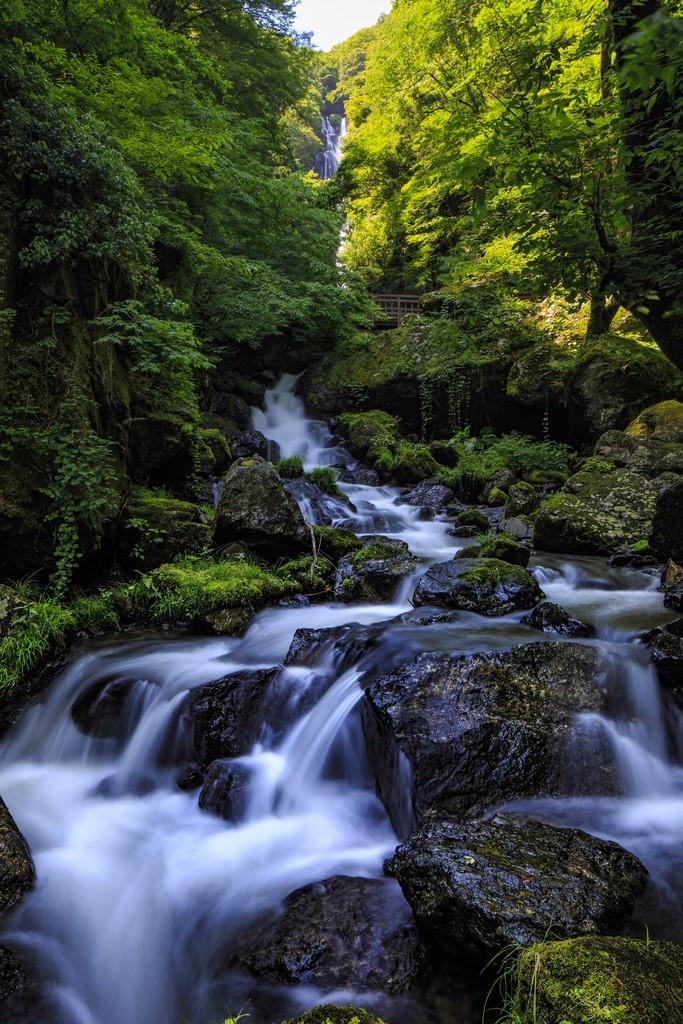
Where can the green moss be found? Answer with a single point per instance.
(325, 477)
(291, 468)
(377, 550)
(494, 571)
(335, 542)
(376, 436)
(473, 517)
(502, 546)
(641, 547)
(336, 1015)
(158, 529)
(496, 496)
(312, 575)
(599, 981)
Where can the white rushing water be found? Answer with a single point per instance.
(139, 891)
(327, 162)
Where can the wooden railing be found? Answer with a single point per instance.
(395, 307)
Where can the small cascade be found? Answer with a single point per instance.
(327, 162)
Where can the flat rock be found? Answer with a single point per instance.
(480, 886)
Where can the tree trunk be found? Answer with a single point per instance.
(603, 310)
(666, 327)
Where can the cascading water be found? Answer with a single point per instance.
(139, 892)
(327, 162)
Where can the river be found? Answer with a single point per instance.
(139, 891)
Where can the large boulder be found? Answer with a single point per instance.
(458, 735)
(374, 572)
(600, 979)
(640, 454)
(256, 509)
(252, 442)
(522, 500)
(486, 586)
(666, 647)
(223, 719)
(601, 510)
(666, 539)
(661, 422)
(343, 933)
(156, 529)
(478, 886)
(17, 873)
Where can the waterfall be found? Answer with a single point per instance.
(327, 162)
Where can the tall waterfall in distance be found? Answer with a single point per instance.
(327, 162)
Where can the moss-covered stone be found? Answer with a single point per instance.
(158, 529)
(336, 1015)
(599, 981)
(522, 500)
(601, 510)
(474, 517)
(370, 433)
(501, 546)
(334, 542)
(661, 422)
(486, 586)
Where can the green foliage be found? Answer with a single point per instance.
(325, 477)
(40, 627)
(291, 468)
(479, 458)
(524, 145)
(335, 542)
(377, 550)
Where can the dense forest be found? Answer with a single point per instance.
(341, 514)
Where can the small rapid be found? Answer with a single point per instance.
(140, 893)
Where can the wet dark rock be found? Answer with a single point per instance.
(343, 933)
(231, 407)
(223, 719)
(486, 586)
(362, 475)
(551, 618)
(225, 791)
(632, 560)
(17, 873)
(666, 647)
(342, 645)
(253, 442)
(456, 736)
(320, 508)
(256, 509)
(522, 529)
(374, 572)
(666, 538)
(479, 886)
(465, 532)
(672, 586)
(13, 979)
(101, 710)
(225, 621)
(430, 494)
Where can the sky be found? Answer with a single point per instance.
(332, 21)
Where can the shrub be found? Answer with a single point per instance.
(325, 478)
(291, 468)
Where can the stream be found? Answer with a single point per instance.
(139, 891)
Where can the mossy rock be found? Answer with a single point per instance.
(501, 546)
(487, 586)
(600, 511)
(661, 422)
(336, 1015)
(159, 529)
(370, 433)
(599, 981)
(474, 517)
(522, 500)
(334, 542)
